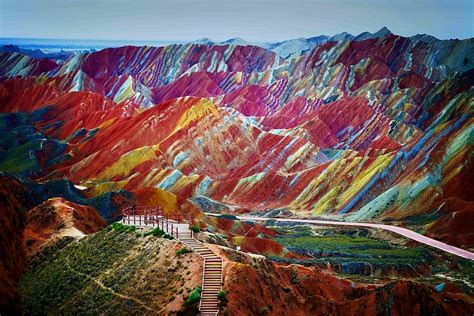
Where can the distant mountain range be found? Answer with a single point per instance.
(285, 49)
(296, 46)
(37, 53)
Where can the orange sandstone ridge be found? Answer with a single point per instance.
(56, 218)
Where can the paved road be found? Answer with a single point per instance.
(398, 230)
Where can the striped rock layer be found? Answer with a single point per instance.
(368, 130)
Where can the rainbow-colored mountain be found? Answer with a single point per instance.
(373, 128)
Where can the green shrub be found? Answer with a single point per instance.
(182, 251)
(222, 296)
(195, 229)
(157, 232)
(121, 228)
(194, 296)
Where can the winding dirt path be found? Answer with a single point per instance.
(106, 288)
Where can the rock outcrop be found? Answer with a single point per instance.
(255, 285)
(57, 218)
(13, 258)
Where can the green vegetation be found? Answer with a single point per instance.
(157, 232)
(356, 254)
(18, 160)
(222, 296)
(195, 229)
(182, 251)
(194, 296)
(114, 271)
(350, 252)
(121, 228)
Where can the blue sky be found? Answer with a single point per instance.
(253, 20)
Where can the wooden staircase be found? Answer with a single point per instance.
(212, 277)
(212, 271)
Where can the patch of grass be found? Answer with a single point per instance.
(182, 251)
(121, 228)
(349, 246)
(110, 272)
(351, 254)
(54, 278)
(157, 232)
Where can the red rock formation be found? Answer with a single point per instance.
(456, 227)
(198, 84)
(56, 218)
(259, 286)
(15, 63)
(13, 260)
(261, 246)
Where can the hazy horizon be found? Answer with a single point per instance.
(254, 21)
(195, 39)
